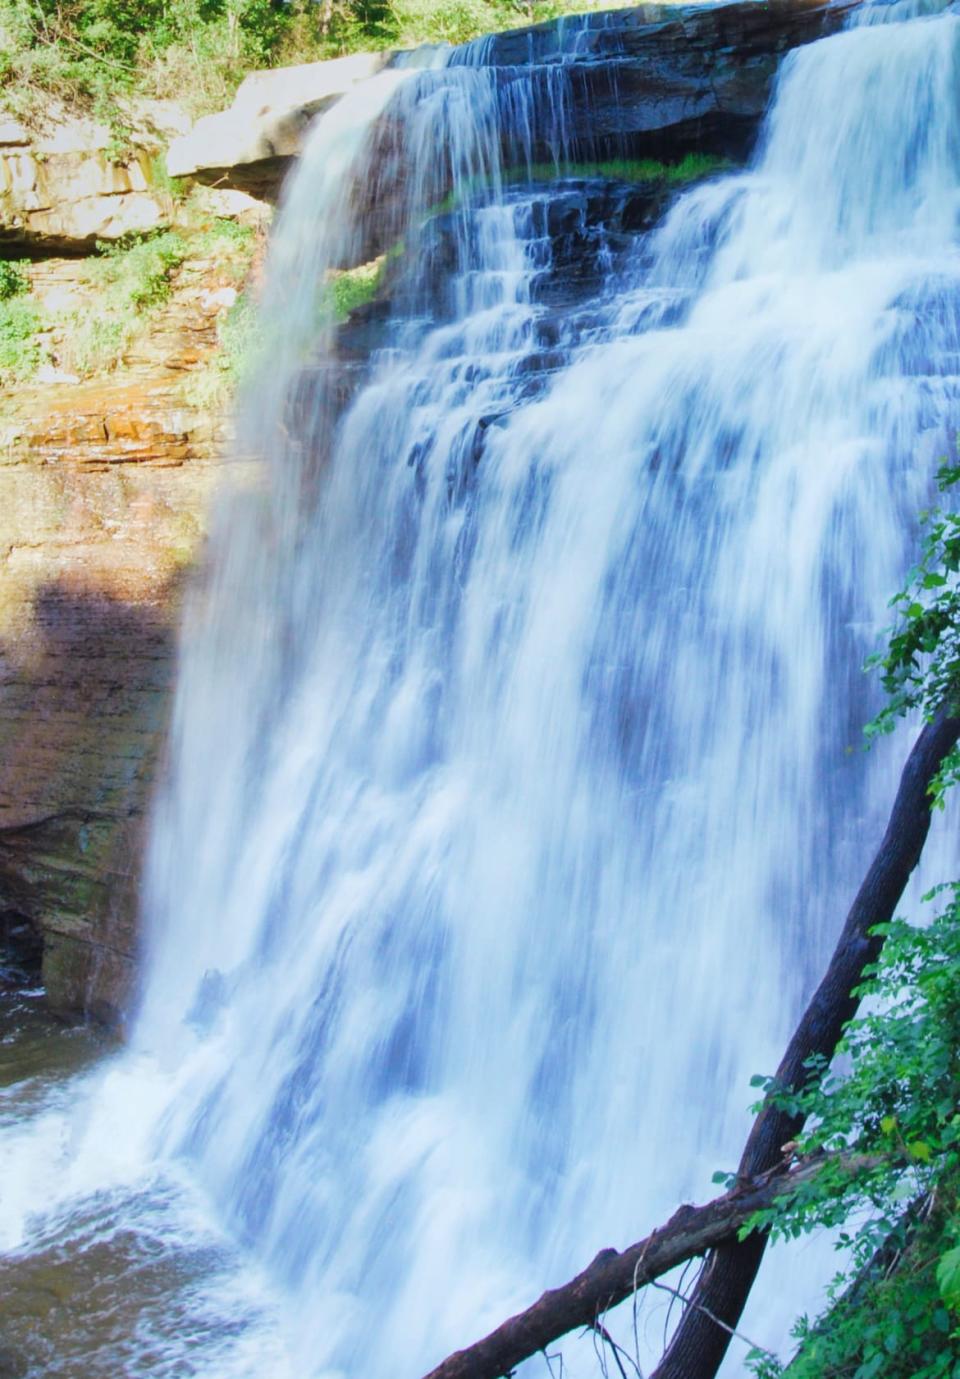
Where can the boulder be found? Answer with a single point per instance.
(250, 146)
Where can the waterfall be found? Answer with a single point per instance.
(515, 793)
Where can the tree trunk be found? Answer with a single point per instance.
(701, 1339)
(699, 1343)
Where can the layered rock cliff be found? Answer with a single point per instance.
(103, 490)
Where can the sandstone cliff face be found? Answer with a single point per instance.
(63, 189)
(103, 489)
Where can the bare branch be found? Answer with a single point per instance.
(615, 1275)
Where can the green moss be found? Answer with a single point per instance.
(160, 179)
(692, 168)
(355, 287)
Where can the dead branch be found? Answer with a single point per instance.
(614, 1275)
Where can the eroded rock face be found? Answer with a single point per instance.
(251, 145)
(652, 81)
(103, 493)
(662, 81)
(62, 190)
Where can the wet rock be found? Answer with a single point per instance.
(651, 81)
(662, 81)
(103, 493)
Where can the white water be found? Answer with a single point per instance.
(515, 795)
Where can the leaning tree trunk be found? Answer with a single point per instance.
(714, 1309)
(700, 1343)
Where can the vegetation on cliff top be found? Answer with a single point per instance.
(89, 53)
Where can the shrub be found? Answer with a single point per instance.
(19, 343)
(134, 277)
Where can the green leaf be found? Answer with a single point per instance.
(948, 1278)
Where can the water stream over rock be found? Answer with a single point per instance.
(515, 794)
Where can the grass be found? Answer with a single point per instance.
(95, 54)
(20, 350)
(129, 281)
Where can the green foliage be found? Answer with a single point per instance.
(886, 1121)
(136, 271)
(132, 277)
(894, 1323)
(20, 351)
(92, 52)
(884, 1117)
(921, 666)
(13, 280)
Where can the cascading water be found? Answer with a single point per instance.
(511, 811)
